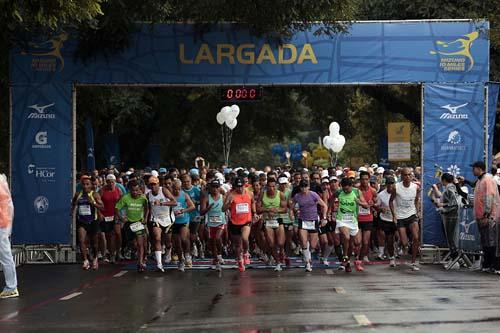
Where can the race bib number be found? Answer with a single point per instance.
(84, 210)
(137, 226)
(163, 220)
(309, 225)
(407, 203)
(197, 219)
(242, 208)
(363, 211)
(214, 220)
(348, 218)
(109, 218)
(272, 224)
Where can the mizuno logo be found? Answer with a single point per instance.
(452, 114)
(40, 112)
(453, 109)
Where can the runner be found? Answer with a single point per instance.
(386, 220)
(287, 222)
(407, 197)
(347, 222)
(242, 205)
(194, 215)
(135, 210)
(87, 202)
(211, 207)
(365, 215)
(180, 229)
(272, 204)
(161, 216)
(110, 194)
(308, 202)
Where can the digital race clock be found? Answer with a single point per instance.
(233, 94)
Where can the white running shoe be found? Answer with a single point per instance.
(194, 251)
(325, 261)
(392, 262)
(159, 268)
(365, 259)
(308, 267)
(278, 268)
(414, 267)
(181, 266)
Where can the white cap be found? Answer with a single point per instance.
(128, 173)
(305, 169)
(154, 173)
(220, 177)
(374, 166)
(362, 169)
(325, 180)
(324, 173)
(286, 173)
(380, 170)
(237, 169)
(110, 177)
(339, 173)
(283, 180)
(333, 178)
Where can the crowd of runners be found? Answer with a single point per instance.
(178, 215)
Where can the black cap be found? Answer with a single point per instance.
(239, 181)
(479, 164)
(390, 180)
(304, 183)
(215, 183)
(373, 179)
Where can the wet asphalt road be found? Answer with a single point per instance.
(380, 299)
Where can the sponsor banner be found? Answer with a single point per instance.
(228, 53)
(467, 236)
(112, 147)
(493, 89)
(41, 164)
(399, 141)
(89, 139)
(452, 139)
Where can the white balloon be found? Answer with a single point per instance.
(327, 142)
(334, 128)
(341, 140)
(220, 118)
(235, 110)
(232, 123)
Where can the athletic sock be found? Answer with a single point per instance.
(158, 257)
(381, 250)
(328, 251)
(307, 255)
(338, 252)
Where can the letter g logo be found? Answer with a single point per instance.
(41, 138)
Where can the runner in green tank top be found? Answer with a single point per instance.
(272, 205)
(347, 222)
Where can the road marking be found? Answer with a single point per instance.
(122, 273)
(362, 320)
(339, 290)
(329, 271)
(70, 296)
(10, 316)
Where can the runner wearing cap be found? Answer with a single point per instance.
(111, 226)
(135, 210)
(325, 233)
(386, 219)
(287, 222)
(215, 218)
(405, 213)
(333, 206)
(347, 222)
(161, 216)
(242, 209)
(308, 202)
(272, 205)
(180, 229)
(365, 215)
(87, 202)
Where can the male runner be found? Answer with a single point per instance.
(386, 220)
(180, 229)
(365, 215)
(110, 194)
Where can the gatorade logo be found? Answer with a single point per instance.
(41, 141)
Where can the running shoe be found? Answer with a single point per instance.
(181, 266)
(365, 259)
(325, 261)
(140, 269)
(95, 264)
(278, 267)
(348, 268)
(308, 267)
(189, 262)
(218, 267)
(341, 268)
(392, 262)
(175, 258)
(86, 265)
(159, 268)
(414, 267)
(167, 258)
(246, 258)
(6, 293)
(194, 251)
(220, 259)
(358, 265)
(380, 256)
(112, 260)
(241, 266)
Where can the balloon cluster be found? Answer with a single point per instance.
(335, 141)
(228, 115)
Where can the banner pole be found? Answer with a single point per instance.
(486, 128)
(73, 173)
(422, 171)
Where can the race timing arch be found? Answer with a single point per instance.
(450, 59)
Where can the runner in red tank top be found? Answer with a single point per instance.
(365, 215)
(110, 194)
(241, 203)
